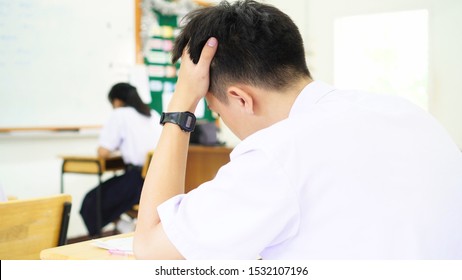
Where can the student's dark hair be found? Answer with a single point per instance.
(257, 45)
(129, 95)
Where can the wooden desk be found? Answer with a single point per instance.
(84, 251)
(202, 164)
(91, 165)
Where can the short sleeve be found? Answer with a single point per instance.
(248, 207)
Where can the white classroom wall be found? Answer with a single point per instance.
(30, 164)
(30, 167)
(445, 43)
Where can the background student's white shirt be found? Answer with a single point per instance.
(131, 133)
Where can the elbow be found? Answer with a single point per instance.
(141, 254)
(143, 250)
(154, 245)
(103, 152)
(140, 250)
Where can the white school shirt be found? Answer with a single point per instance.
(347, 176)
(131, 133)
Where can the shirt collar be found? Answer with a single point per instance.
(309, 96)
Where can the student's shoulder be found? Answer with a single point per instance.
(155, 116)
(124, 111)
(127, 113)
(269, 140)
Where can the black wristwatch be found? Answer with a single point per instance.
(185, 120)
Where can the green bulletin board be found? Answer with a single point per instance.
(162, 73)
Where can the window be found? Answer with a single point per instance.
(383, 53)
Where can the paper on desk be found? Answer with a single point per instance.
(124, 244)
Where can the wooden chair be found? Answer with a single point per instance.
(133, 212)
(29, 226)
(147, 161)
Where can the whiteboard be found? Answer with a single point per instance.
(59, 58)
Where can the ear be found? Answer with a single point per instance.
(242, 98)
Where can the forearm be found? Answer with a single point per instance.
(165, 179)
(167, 170)
(166, 174)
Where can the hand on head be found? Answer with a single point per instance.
(193, 79)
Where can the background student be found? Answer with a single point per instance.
(133, 129)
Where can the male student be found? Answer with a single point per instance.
(321, 173)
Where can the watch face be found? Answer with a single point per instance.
(189, 121)
(185, 120)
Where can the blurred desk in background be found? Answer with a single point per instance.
(202, 164)
(92, 165)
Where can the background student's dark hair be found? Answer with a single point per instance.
(129, 95)
(257, 45)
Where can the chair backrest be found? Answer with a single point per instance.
(133, 213)
(147, 161)
(28, 226)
